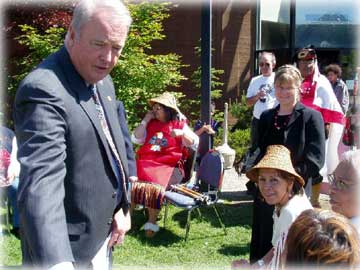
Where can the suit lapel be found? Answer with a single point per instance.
(85, 99)
(296, 113)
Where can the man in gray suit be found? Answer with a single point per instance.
(74, 177)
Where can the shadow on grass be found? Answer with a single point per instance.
(162, 238)
(232, 215)
(231, 250)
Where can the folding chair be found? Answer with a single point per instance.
(209, 176)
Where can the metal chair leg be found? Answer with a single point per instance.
(8, 214)
(199, 213)
(219, 218)
(188, 224)
(166, 213)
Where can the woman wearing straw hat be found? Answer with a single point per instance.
(164, 136)
(280, 185)
(301, 130)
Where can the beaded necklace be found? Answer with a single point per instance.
(277, 124)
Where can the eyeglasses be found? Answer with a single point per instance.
(283, 89)
(157, 107)
(338, 183)
(264, 64)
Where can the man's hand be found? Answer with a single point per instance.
(208, 129)
(120, 226)
(133, 179)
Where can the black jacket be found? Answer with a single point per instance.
(304, 136)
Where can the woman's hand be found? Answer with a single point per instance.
(149, 115)
(240, 264)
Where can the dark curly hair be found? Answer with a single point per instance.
(334, 68)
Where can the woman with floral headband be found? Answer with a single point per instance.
(282, 187)
(301, 130)
(163, 135)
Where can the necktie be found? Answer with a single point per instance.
(105, 128)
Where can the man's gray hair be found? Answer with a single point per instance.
(352, 159)
(273, 58)
(84, 9)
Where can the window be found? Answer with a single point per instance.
(273, 24)
(327, 23)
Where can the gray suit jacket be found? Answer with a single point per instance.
(68, 188)
(127, 138)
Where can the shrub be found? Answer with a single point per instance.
(242, 113)
(239, 140)
(138, 76)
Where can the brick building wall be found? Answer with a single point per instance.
(233, 33)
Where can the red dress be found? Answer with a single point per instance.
(156, 160)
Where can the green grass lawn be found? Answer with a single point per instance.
(207, 246)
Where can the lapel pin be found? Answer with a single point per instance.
(109, 98)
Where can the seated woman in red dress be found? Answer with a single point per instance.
(164, 136)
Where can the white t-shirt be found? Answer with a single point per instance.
(266, 83)
(288, 213)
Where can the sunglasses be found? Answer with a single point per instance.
(264, 64)
(338, 183)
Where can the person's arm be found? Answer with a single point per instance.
(253, 94)
(40, 124)
(345, 99)
(205, 128)
(189, 138)
(127, 140)
(250, 101)
(260, 264)
(120, 226)
(139, 133)
(314, 151)
(14, 166)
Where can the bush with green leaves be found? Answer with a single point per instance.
(239, 137)
(242, 113)
(238, 140)
(138, 75)
(214, 84)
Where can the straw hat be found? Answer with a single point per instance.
(165, 99)
(276, 157)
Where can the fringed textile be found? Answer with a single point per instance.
(147, 194)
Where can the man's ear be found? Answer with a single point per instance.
(72, 36)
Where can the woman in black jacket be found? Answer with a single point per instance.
(301, 130)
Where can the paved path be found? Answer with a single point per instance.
(233, 186)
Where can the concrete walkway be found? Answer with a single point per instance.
(233, 186)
